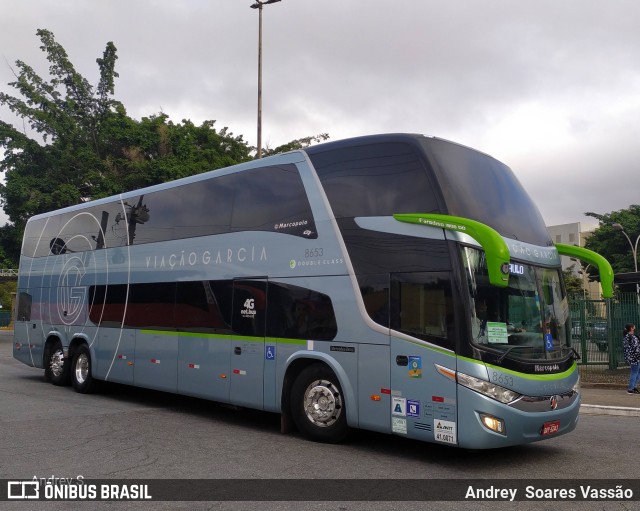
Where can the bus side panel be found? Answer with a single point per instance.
(115, 351)
(203, 367)
(23, 340)
(423, 400)
(28, 345)
(156, 360)
(374, 380)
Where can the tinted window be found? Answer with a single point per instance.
(227, 307)
(265, 199)
(272, 199)
(421, 305)
(477, 186)
(24, 306)
(374, 180)
(151, 306)
(107, 305)
(249, 308)
(197, 308)
(375, 294)
(299, 313)
(375, 252)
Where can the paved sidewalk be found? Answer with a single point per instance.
(605, 399)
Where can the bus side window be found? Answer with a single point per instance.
(298, 313)
(425, 300)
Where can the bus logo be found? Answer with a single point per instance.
(71, 295)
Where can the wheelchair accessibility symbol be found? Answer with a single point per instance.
(270, 352)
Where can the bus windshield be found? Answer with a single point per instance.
(527, 320)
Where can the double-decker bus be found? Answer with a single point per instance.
(396, 283)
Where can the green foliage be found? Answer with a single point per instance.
(299, 143)
(573, 284)
(7, 289)
(87, 147)
(612, 243)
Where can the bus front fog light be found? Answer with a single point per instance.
(493, 423)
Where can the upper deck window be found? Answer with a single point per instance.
(374, 180)
(265, 199)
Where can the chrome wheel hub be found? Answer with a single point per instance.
(82, 368)
(322, 403)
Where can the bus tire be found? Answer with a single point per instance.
(81, 377)
(317, 405)
(56, 367)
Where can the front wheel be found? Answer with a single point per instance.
(317, 405)
(56, 369)
(81, 377)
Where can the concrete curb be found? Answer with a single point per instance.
(609, 410)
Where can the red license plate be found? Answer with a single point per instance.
(549, 428)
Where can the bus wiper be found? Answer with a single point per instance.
(576, 355)
(501, 357)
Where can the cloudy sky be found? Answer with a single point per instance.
(549, 87)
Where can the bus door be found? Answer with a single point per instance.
(423, 401)
(248, 320)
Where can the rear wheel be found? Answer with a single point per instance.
(317, 405)
(81, 377)
(56, 368)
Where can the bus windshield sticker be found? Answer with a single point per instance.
(497, 332)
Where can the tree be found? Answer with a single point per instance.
(86, 146)
(573, 284)
(612, 244)
(299, 143)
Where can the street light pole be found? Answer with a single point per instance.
(258, 5)
(634, 249)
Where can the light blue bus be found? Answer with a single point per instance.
(395, 283)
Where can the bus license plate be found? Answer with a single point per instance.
(549, 428)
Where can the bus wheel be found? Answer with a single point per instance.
(81, 378)
(317, 405)
(56, 369)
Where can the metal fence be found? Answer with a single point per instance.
(596, 334)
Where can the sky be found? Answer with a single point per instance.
(549, 87)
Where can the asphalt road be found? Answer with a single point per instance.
(130, 433)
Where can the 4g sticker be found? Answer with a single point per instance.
(249, 310)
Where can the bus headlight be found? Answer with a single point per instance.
(487, 388)
(576, 387)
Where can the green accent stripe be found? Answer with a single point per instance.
(527, 376)
(275, 340)
(493, 244)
